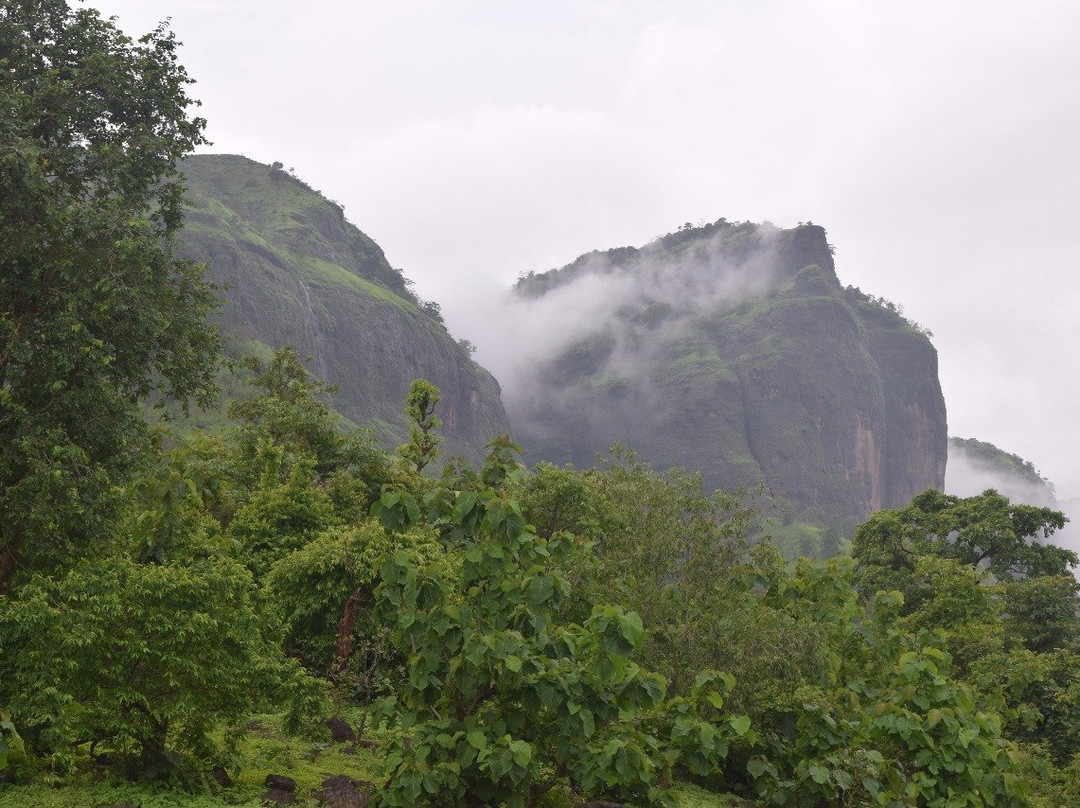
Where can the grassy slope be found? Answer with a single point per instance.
(295, 272)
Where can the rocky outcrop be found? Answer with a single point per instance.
(733, 349)
(295, 272)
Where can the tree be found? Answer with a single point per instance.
(665, 549)
(95, 310)
(984, 532)
(145, 659)
(423, 445)
(505, 697)
(290, 410)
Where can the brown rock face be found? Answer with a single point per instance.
(735, 351)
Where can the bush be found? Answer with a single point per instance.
(505, 698)
(325, 591)
(144, 659)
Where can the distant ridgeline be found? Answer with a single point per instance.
(733, 349)
(976, 465)
(297, 273)
(730, 349)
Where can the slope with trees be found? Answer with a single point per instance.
(296, 272)
(512, 636)
(732, 349)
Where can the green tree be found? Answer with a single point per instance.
(95, 310)
(892, 727)
(984, 531)
(506, 698)
(1041, 614)
(281, 518)
(145, 659)
(423, 445)
(326, 593)
(290, 410)
(664, 549)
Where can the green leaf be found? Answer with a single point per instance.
(741, 724)
(477, 740)
(756, 767)
(522, 752)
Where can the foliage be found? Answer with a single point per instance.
(143, 658)
(1039, 699)
(95, 311)
(663, 549)
(896, 728)
(955, 604)
(263, 750)
(290, 411)
(314, 587)
(504, 700)
(423, 444)
(1041, 613)
(981, 531)
(12, 748)
(281, 518)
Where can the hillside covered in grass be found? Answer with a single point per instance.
(293, 271)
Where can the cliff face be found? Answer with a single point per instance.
(295, 272)
(734, 350)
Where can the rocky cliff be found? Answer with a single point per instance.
(296, 272)
(734, 350)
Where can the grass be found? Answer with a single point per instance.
(265, 750)
(335, 275)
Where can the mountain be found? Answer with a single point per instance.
(296, 272)
(733, 349)
(976, 465)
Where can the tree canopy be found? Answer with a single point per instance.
(95, 309)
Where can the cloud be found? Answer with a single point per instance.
(968, 474)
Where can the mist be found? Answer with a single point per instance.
(968, 474)
(637, 299)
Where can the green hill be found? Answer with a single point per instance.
(976, 465)
(296, 272)
(734, 350)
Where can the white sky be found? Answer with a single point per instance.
(938, 143)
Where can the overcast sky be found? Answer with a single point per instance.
(937, 142)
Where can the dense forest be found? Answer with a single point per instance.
(225, 616)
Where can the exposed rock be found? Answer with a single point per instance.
(297, 273)
(279, 782)
(732, 349)
(221, 777)
(340, 731)
(341, 791)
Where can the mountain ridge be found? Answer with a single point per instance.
(733, 349)
(296, 272)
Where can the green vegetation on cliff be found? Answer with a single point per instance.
(976, 465)
(733, 349)
(294, 271)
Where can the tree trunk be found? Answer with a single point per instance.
(343, 644)
(154, 760)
